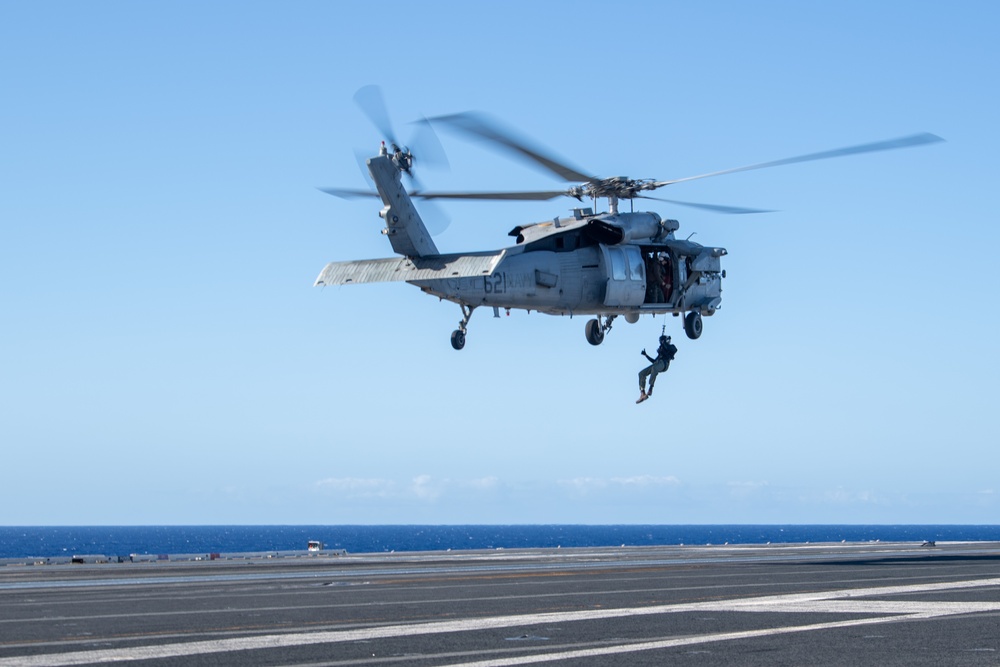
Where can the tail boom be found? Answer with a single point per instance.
(406, 231)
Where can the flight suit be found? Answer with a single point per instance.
(664, 354)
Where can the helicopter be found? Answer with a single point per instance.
(603, 264)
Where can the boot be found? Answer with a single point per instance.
(642, 396)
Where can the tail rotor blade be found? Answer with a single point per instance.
(362, 159)
(428, 147)
(435, 218)
(371, 102)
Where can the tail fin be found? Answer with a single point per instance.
(403, 226)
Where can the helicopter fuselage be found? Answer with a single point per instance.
(573, 273)
(606, 265)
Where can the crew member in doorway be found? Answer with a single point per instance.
(664, 355)
(666, 277)
(654, 280)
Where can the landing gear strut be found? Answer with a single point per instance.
(458, 335)
(595, 330)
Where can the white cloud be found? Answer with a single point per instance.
(634, 483)
(646, 481)
(584, 484)
(746, 489)
(421, 487)
(424, 488)
(483, 483)
(841, 495)
(357, 487)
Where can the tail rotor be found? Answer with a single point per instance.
(427, 149)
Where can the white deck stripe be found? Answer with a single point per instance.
(671, 643)
(840, 601)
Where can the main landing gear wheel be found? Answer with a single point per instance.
(693, 325)
(595, 332)
(595, 329)
(458, 335)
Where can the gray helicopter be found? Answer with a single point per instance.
(605, 265)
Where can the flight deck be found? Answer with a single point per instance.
(816, 604)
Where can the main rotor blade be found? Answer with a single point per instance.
(714, 208)
(518, 196)
(477, 125)
(891, 144)
(351, 193)
(434, 217)
(371, 102)
(348, 193)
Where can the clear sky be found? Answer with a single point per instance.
(164, 358)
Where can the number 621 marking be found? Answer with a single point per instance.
(495, 284)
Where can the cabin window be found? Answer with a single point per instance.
(635, 264)
(617, 263)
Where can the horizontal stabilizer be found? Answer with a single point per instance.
(433, 267)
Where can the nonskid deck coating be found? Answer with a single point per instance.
(867, 603)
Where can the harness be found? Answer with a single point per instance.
(666, 353)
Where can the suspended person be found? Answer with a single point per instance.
(664, 355)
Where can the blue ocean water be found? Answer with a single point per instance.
(50, 541)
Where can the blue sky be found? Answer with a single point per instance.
(166, 360)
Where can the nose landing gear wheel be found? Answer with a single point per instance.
(458, 339)
(693, 325)
(595, 332)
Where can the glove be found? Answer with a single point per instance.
(643, 353)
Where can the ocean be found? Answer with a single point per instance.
(54, 541)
